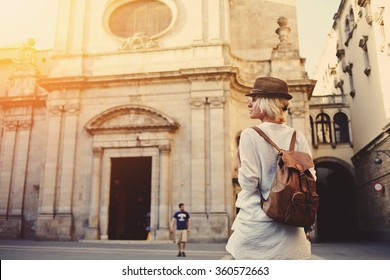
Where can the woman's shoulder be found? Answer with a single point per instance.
(248, 131)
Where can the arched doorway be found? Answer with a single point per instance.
(131, 145)
(337, 214)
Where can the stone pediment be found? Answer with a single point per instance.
(130, 118)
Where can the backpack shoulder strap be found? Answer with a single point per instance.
(262, 134)
(293, 138)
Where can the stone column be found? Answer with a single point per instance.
(20, 167)
(68, 151)
(104, 200)
(94, 204)
(7, 163)
(48, 192)
(49, 184)
(198, 195)
(13, 175)
(164, 191)
(217, 154)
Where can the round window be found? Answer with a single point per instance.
(148, 17)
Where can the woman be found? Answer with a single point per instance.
(255, 235)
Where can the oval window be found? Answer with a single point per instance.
(147, 17)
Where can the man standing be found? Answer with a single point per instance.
(182, 219)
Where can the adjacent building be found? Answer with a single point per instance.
(350, 120)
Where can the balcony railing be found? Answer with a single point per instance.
(328, 100)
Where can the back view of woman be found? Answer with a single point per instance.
(255, 235)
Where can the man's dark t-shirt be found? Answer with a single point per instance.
(181, 219)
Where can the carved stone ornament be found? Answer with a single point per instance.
(131, 118)
(283, 31)
(18, 124)
(284, 48)
(56, 110)
(24, 72)
(138, 41)
(197, 102)
(72, 108)
(25, 124)
(11, 124)
(216, 101)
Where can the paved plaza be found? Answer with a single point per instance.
(165, 250)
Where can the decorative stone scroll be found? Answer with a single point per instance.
(138, 41)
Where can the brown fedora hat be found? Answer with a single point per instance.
(270, 87)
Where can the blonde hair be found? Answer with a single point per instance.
(275, 108)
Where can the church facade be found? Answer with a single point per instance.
(137, 108)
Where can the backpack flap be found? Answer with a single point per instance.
(299, 160)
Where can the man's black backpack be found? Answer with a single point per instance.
(293, 199)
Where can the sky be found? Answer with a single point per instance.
(24, 19)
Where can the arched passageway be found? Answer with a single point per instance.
(337, 215)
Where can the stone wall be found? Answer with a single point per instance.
(374, 206)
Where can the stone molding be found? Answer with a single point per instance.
(131, 118)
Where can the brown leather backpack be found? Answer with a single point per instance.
(293, 199)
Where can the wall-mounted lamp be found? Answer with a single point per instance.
(378, 159)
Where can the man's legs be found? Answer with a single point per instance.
(181, 239)
(179, 248)
(183, 242)
(178, 240)
(183, 248)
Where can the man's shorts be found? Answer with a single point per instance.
(181, 235)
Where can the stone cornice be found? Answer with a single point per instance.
(305, 86)
(81, 82)
(18, 101)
